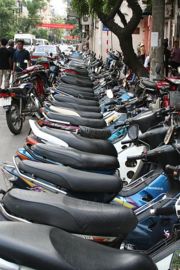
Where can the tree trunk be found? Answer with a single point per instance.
(130, 58)
(157, 50)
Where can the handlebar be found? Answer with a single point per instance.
(175, 170)
(165, 211)
(130, 158)
(127, 141)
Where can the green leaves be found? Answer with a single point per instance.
(80, 6)
(84, 7)
(8, 15)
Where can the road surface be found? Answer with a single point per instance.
(9, 143)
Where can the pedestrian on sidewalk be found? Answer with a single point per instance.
(167, 55)
(12, 50)
(21, 58)
(4, 64)
(175, 55)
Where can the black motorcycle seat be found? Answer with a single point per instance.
(148, 83)
(84, 102)
(75, 81)
(44, 247)
(96, 146)
(70, 111)
(80, 71)
(146, 120)
(22, 88)
(75, 106)
(79, 77)
(72, 215)
(75, 158)
(76, 120)
(72, 91)
(76, 87)
(72, 179)
(94, 133)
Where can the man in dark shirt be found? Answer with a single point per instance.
(12, 50)
(4, 63)
(21, 58)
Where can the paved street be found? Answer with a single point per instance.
(9, 142)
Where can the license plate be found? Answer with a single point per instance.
(5, 101)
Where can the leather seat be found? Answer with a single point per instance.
(76, 121)
(75, 158)
(146, 120)
(72, 215)
(72, 179)
(70, 111)
(80, 101)
(44, 247)
(76, 93)
(84, 144)
(75, 81)
(148, 83)
(22, 88)
(76, 87)
(93, 133)
(75, 106)
(79, 77)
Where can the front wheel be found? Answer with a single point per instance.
(14, 119)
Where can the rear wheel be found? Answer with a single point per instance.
(14, 119)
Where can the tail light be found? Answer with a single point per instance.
(21, 156)
(6, 95)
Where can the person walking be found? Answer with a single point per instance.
(21, 57)
(4, 63)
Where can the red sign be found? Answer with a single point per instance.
(57, 26)
(71, 37)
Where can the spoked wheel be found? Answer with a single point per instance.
(14, 119)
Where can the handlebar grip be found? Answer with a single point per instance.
(127, 141)
(136, 157)
(170, 168)
(165, 211)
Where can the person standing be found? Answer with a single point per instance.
(175, 55)
(12, 50)
(4, 63)
(21, 58)
(167, 55)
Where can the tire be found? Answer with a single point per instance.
(14, 119)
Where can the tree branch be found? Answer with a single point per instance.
(136, 17)
(114, 10)
(111, 24)
(122, 17)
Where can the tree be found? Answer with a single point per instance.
(157, 50)
(27, 24)
(7, 18)
(106, 10)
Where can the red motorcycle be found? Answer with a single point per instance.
(24, 98)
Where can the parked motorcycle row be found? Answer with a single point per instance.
(97, 183)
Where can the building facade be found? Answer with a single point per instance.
(101, 40)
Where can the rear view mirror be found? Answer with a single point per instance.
(109, 93)
(133, 132)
